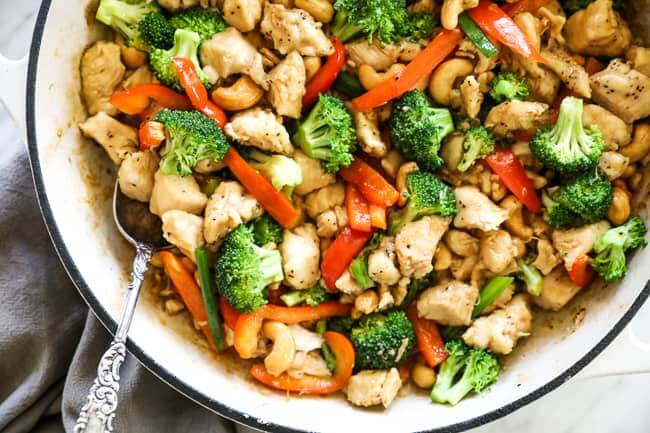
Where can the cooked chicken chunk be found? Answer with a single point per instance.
(102, 72)
(242, 14)
(313, 175)
(173, 192)
(572, 74)
(229, 53)
(287, 86)
(515, 115)
(117, 139)
(553, 17)
(373, 387)
(142, 75)
(616, 132)
(305, 340)
(640, 58)
(325, 198)
(613, 164)
(310, 363)
(184, 230)
(416, 243)
(449, 303)
(477, 211)
(330, 222)
(573, 243)
(382, 266)
(348, 285)
(380, 57)
(471, 95)
(260, 128)
(176, 5)
(229, 206)
(301, 256)
(500, 330)
(622, 90)
(557, 291)
(497, 250)
(368, 134)
(546, 259)
(136, 175)
(294, 29)
(597, 30)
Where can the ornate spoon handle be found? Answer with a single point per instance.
(97, 414)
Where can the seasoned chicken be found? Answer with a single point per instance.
(557, 291)
(368, 134)
(546, 259)
(416, 242)
(640, 58)
(477, 211)
(348, 285)
(183, 230)
(260, 128)
(102, 72)
(360, 52)
(483, 64)
(613, 164)
(176, 5)
(287, 86)
(572, 74)
(461, 243)
(553, 19)
(622, 90)
(382, 263)
(497, 250)
(597, 30)
(229, 53)
(451, 9)
(449, 303)
(305, 340)
(471, 95)
(499, 331)
(142, 75)
(173, 192)
(323, 199)
(331, 221)
(242, 14)
(308, 363)
(573, 243)
(515, 115)
(229, 206)
(313, 175)
(117, 139)
(294, 29)
(136, 175)
(301, 256)
(373, 387)
(616, 132)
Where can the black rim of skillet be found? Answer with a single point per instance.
(168, 376)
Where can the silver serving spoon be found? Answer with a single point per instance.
(144, 231)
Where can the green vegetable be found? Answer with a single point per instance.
(610, 261)
(568, 147)
(417, 129)
(385, 20)
(572, 6)
(205, 22)
(464, 371)
(321, 326)
(490, 292)
(359, 266)
(421, 26)
(243, 270)
(329, 357)
(211, 307)
(312, 297)
(191, 137)
(209, 185)
(266, 230)
(283, 172)
(478, 143)
(417, 285)
(476, 36)
(532, 278)
(328, 134)
(507, 86)
(341, 325)
(449, 333)
(348, 85)
(186, 44)
(427, 195)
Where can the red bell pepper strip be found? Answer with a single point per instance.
(230, 315)
(272, 200)
(430, 343)
(326, 75)
(151, 134)
(425, 62)
(496, 24)
(196, 91)
(513, 9)
(357, 208)
(581, 271)
(344, 353)
(136, 99)
(338, 256)
(370, 183)
(377, 216)
(507, 166)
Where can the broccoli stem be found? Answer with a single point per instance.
(448, 371)
(531, 277)
(294, 298)
(343, 29)
(270, 265)
(463, 387)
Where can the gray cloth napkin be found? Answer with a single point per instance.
(49, 342)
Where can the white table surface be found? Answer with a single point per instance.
(605, 405)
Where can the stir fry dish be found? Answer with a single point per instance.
(360, 193)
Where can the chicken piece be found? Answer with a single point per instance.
(515, 115)
(501, 301)
(477, 211)
(449, 303)
(462, 267)
(183, 230)
(173, 192)
(176, 5)
(573, 243)
(497, 250)
(313, 175)
(348, 285)
(622, 90)
(416, 242)
(229, 206)
(368, 134)
(142, 75)
(325, 198)
(244, 15)
(332, 221)
(287, 86)
(382, 266)
(546, 259)
(102, 72)
(373, 387)
(301, 256)
(597, 30)
(451, 9)
(461, 243)
(361, 52)
(304, 339)
(117, 139)
(136, 175)
(259, 128)
(471, 95)
(500, 331)
(613, 164)
(294, 29)
(640, 58)
(229, 53)
(308, 363)
(557, 291)
(572, 74)
(553, 19)
(468, 50)
(616, 132)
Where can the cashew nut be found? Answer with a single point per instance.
(244, 93)
(392, 162)
(515, 223)
(366, 302)
(451, 9)
(400, 181)
(321, 10)
(284, 348)
(442, 257)
(312, 65)
(444, 78)
(132, 57)
(461, 243)
(619, 210)
(640, 145)
(370, 78)
(451, 150)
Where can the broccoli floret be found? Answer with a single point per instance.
(427, 195)
(610, 248)
(200, 20)
(507, 85)
(266, 230)
(478, 143)
(531, 276)
(283, 172)
(417, 129)
(421, 26)
(243, 270)
(415, 286)
(327, 134)
(359, 266)
(558, 215)
(386, 20)
(312, 297)
(157, 32)
(464, 371)
(186, 44)
(568, 147)
(342, 325)
(379, 340)
(190, 137)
